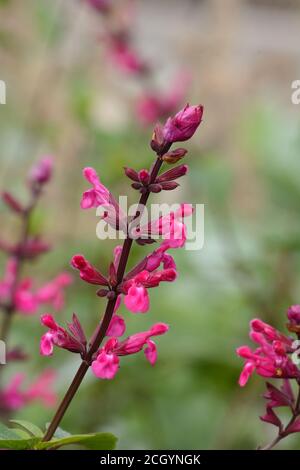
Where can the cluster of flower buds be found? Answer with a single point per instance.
(158, 266)
(163, 182)
(277, 357)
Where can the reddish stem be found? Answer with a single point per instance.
(100, 334)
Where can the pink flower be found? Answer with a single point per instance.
(152, 107)
(42, 171)
(135, 289)
(60, 337)
(183, 125)
(40, 389)
(88, 272)
(99, 5)
(271, 358)
(14, 396)
(106, 365)
(170, 227)
(121, 54)
(53, 292)
(99, 196)
(28, 302)
(116, 327)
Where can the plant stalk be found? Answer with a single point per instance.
(98, 338)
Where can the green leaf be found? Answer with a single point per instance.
(59, 433)
(6, 433)
(97, 441)
(30, 427)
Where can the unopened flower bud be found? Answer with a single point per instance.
(144, 176)
(42, 171)
(131, 173)
(155, 188)
(174, 155)
(183, 125)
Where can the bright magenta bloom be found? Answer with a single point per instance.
(99, 195)
(271, 358)
(74, 341)
(170, 227)
(106, 364)
(183, 125)
(88, 272)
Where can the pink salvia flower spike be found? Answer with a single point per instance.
(105, 348)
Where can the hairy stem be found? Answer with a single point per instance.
(101, 332)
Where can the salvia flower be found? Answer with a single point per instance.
(100, 196)
(183, 125)
(271, 358)
(106, 364)
(56, 335)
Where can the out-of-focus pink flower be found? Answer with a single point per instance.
(41, 172)
(183, 125)
(41, 390)
(8, 281)
(53, 292)
(121, 54)
(100, 5)
(32, 248)
(28, 301)
(99, 196)
(107, 362)
(88, 272)
(153, 107)
(15, 396)
(271, 358)
(60, 337)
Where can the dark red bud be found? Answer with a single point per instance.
(174, 155)
(132, 174)
(111, 295)
(144, 176)
(169, 185)
(157, 141)
(136, 185)
(102, 292)
(155, 188)
(173, 174)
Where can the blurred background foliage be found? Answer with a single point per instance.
(64, 99)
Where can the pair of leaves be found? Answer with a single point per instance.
(29, 436)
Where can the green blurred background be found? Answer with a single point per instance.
(64, 99)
